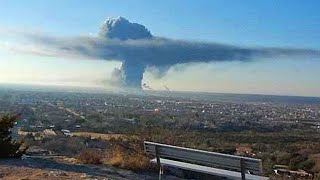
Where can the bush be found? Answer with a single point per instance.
(90, 156)
(9, 148)
(68, 146)
(128, 157)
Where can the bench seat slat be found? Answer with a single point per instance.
(207, 159)
(207, 170)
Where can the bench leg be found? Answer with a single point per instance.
(159, 164)
(160, 172)
(243, 169)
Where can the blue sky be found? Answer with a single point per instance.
(250, 22)
(287, 23)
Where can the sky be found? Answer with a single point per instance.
(249, 23)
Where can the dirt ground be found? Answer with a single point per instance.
(56, 168)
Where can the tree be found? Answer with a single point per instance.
(8, 146)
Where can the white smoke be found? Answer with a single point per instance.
(120, 28)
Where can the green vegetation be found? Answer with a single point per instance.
(9, 147)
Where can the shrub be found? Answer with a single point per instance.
(128, 157)
(8, 147)
(67, 146)
(90, 156)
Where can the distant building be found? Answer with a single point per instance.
(49, 132)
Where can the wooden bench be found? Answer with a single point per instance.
(217, 164)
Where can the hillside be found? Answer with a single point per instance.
(60, 167)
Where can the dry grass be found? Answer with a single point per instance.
(90, 156)
(26, 173)
(131, 158)
(125, 151)
(101, 136)
(316, 168)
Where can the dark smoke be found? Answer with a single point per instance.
(121, 29)
(136, 48)
(133, 72)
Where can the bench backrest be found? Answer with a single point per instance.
(205, 158)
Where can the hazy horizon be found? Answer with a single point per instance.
(106, 90)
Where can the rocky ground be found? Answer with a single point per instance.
(59, 167)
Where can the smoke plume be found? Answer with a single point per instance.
(135, 46)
